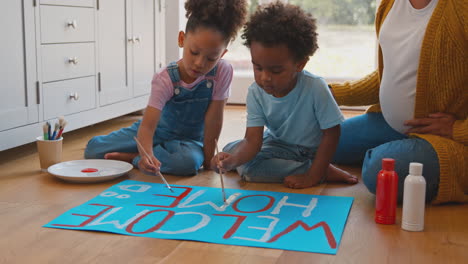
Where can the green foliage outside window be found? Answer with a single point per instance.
(340, 12)
(346, 39)
(335, 12)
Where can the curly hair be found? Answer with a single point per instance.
(225, 16)
(277, 23)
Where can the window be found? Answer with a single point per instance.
(347, 44)
(346, 40)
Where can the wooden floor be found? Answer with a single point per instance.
(30, 198)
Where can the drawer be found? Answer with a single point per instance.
(64, 61)
(61, 24)
(68, 97)
(85, 3)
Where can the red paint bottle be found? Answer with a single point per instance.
(386, 194)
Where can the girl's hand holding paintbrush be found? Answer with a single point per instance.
(149, 163)
(152, 164)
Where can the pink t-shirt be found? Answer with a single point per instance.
(162, 88)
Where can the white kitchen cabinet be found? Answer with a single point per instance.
(88, 60)
(127, 48)
(19, 102)
(66, 61)
(67, 57)
(143, 50)
(66, 24)
(84, 3)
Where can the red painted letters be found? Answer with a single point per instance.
(177, 200)
(154, 228)
(268, 206)
(235, 226)
(324, 225)
(91, 217)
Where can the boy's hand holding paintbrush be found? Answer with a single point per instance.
(223, 162)
(219, 169)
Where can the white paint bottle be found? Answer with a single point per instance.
(414, 199)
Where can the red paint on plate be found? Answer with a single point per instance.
(89, 170)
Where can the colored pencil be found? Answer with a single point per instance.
(151, 161)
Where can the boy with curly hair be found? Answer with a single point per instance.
(297, 108)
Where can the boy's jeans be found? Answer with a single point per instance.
(275, 161)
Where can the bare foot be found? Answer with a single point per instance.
(338, 175)
(123, 156)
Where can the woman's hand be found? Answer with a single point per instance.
(439, 124)
(149, 164)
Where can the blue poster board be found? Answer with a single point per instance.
(289, 221)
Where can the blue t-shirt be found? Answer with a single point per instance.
(300, 116)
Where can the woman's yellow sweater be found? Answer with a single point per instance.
(442, 86)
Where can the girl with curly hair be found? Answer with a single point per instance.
(185, 110)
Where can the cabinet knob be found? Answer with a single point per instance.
(72, 23)
(137, 38)
(132, 40)
(73, 60)
(74, 96)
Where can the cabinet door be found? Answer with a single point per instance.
(18, 100)
(113, 56)
(143, 17)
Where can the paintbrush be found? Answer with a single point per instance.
(49, 134)
(151, 161)
(220, 172)
(45, 128)
(62, 127)
(61, 120)
(56, 130)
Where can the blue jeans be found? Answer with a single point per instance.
(275, 161)
(367, 139)
(179, 157)
(177, 143)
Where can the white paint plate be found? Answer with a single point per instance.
(91, 170)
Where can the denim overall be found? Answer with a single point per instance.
(178, 141)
